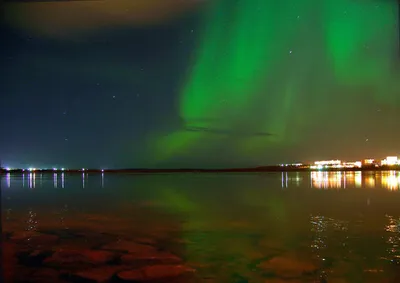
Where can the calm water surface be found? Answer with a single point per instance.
(229, 226)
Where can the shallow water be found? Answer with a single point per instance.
(269, 227)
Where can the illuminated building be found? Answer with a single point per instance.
(390, 161)
(356, 164)
(327, 164)
(292, 165)
(369, 162)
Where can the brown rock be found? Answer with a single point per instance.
(131, 247)
(135, 275)
(278, 280)
(76, 257)
(165, 271)
(338, 280)
(33, 258)
(9, 261)
(288, 266)
(154, 272)
(146, 241)
(99, 274)
(42, 275)
(159, 257)
(22, 235)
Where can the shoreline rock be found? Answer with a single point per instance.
(75, 258)
(154, 272)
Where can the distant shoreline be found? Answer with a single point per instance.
(265, 169)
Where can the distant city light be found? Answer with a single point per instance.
(328, 162)
(356, 164)
(291, 164)
(390, 161)
(369, 161)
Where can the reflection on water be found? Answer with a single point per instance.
(343, 226)
(391, 180)
(336, 180)
(291, 180)
(31, 221)
(8, 178)
(83, 180)
(32, 180)
(318, 179)
(55, 180)
(393, 238)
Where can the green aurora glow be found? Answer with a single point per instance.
(272, 67)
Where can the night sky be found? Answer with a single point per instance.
(174, 83)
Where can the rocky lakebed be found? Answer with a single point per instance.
(79, 256)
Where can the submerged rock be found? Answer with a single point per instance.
(130, 247)
(98, 274)
(42, 275)
(288, 266)
(65, 258)
(135, 275)
(146, 241)
(279, 280)
(33, 258)
(9, 261)
(154, 272)
(154, 258)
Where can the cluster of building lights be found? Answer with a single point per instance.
(390, 161)
(335, 164)
(339, 164)
(35, 169)
(41, 169)
(319, 165)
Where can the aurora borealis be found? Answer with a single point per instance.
(202, 83)
(272, 68)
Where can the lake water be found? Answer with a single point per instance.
(268, 227)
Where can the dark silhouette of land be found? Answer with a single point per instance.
(193, 170)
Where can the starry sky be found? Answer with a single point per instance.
(174, 83)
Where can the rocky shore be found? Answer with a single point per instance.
(80, 256)
(56, 256)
